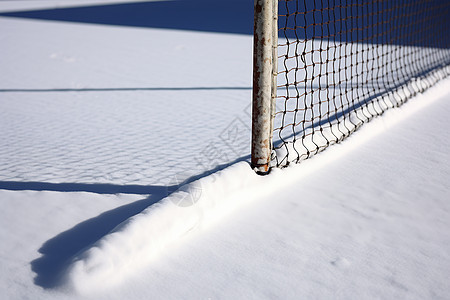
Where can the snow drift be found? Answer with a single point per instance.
(134, 243)
(137, 241)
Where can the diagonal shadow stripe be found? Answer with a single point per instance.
(57, 252)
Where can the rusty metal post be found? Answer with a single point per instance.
(263, 85)
(274, 60)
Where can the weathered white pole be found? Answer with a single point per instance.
(263, 94)
(274, 60)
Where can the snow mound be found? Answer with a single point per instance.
(135, 242)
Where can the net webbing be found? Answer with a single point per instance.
(341, 63)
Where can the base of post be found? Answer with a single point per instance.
(262, 170)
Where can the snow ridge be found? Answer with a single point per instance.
(138, 240)
(134, 243)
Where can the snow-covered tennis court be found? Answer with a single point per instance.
(99, 122)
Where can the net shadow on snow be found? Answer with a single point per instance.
(346, 21)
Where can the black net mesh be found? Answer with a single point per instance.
(341, 63)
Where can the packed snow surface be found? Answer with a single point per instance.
(100, 124)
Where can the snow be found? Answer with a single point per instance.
(136, 242)
(140, 239)
(142, 80)
(100, 123)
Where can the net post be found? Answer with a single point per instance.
(264, 55)
(274, 61)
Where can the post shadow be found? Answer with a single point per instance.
(58, 252)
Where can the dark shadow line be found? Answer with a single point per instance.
(124, 89)
(99, 188)
(225, 88)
